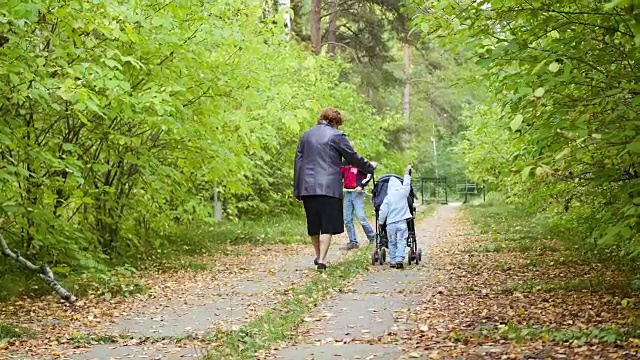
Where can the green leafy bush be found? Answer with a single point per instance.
(560, 131)
(119, 118)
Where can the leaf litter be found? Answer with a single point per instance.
(495, 305)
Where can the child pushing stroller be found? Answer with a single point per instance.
(394, 216)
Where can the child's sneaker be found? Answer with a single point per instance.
(321, 267)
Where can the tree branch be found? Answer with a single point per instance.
(43, 271)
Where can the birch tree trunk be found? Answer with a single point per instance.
(284, 6)
(217, 206)
(316, 13)
(43, 271)
(407, 71)
(333, 27)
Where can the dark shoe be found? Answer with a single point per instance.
(321, 267)
(400, 265)
(315, 261)
(352, 246)
(392, 265)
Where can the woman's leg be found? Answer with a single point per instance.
(325, 242)
(314, 222)
(358, 204)
(331, 223)
(315, 240)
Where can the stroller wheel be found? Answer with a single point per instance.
(383, 256)
(411, 256)
(374, 257)
(419, 258)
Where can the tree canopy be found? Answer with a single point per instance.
(560, 128)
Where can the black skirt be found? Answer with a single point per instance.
(324, 214)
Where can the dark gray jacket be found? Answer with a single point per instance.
(318, 158)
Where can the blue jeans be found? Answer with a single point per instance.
(397, 233)
(354, 202)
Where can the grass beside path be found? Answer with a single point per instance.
(278, 324)
(425, 211)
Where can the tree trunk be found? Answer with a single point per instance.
(284, 6)
(405, 93)
(43, 271)
(316, 13)
(217, 205)
(333, 27)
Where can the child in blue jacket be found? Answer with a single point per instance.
(395, 211)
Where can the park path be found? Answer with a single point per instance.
(229, 306)
(354, 324)
(188, 307)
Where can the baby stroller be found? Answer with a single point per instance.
(379, 255)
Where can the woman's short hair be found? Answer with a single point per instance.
(331, 116)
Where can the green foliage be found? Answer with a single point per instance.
(485, 149)
(9, 331)
(118, 118)
(609, 334)
(561, 131)
(120, 281)
(439, 95)
(202, 238)
(513, 228)
(371, 35)
(82, 339)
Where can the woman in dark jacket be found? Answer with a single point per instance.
(318, 180)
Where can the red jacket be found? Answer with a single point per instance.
(353, 177)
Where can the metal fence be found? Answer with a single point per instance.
(434, 190)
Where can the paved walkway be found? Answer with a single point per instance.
(374, 306)
(230, 306)
(211, 302)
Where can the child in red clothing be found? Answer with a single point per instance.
(354, 182)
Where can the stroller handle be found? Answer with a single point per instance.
(353, 190)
